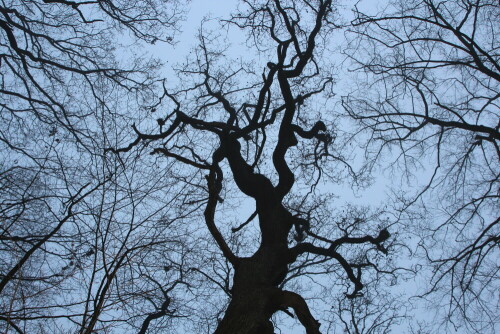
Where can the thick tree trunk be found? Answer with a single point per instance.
(255, 294)
(249, 313)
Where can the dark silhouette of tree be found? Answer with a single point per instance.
(133, 204)
(236, 130)
(433, 72)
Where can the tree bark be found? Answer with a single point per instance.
(255, 295)
(255, 292)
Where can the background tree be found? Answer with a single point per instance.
(430, 103)
(373, 313)
(76, 234)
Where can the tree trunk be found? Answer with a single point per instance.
(255, 294)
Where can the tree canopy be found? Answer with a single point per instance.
(216, 202)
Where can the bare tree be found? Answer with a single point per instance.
(430, 104)
(132, 205)
(247, 133)
(75, 225)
